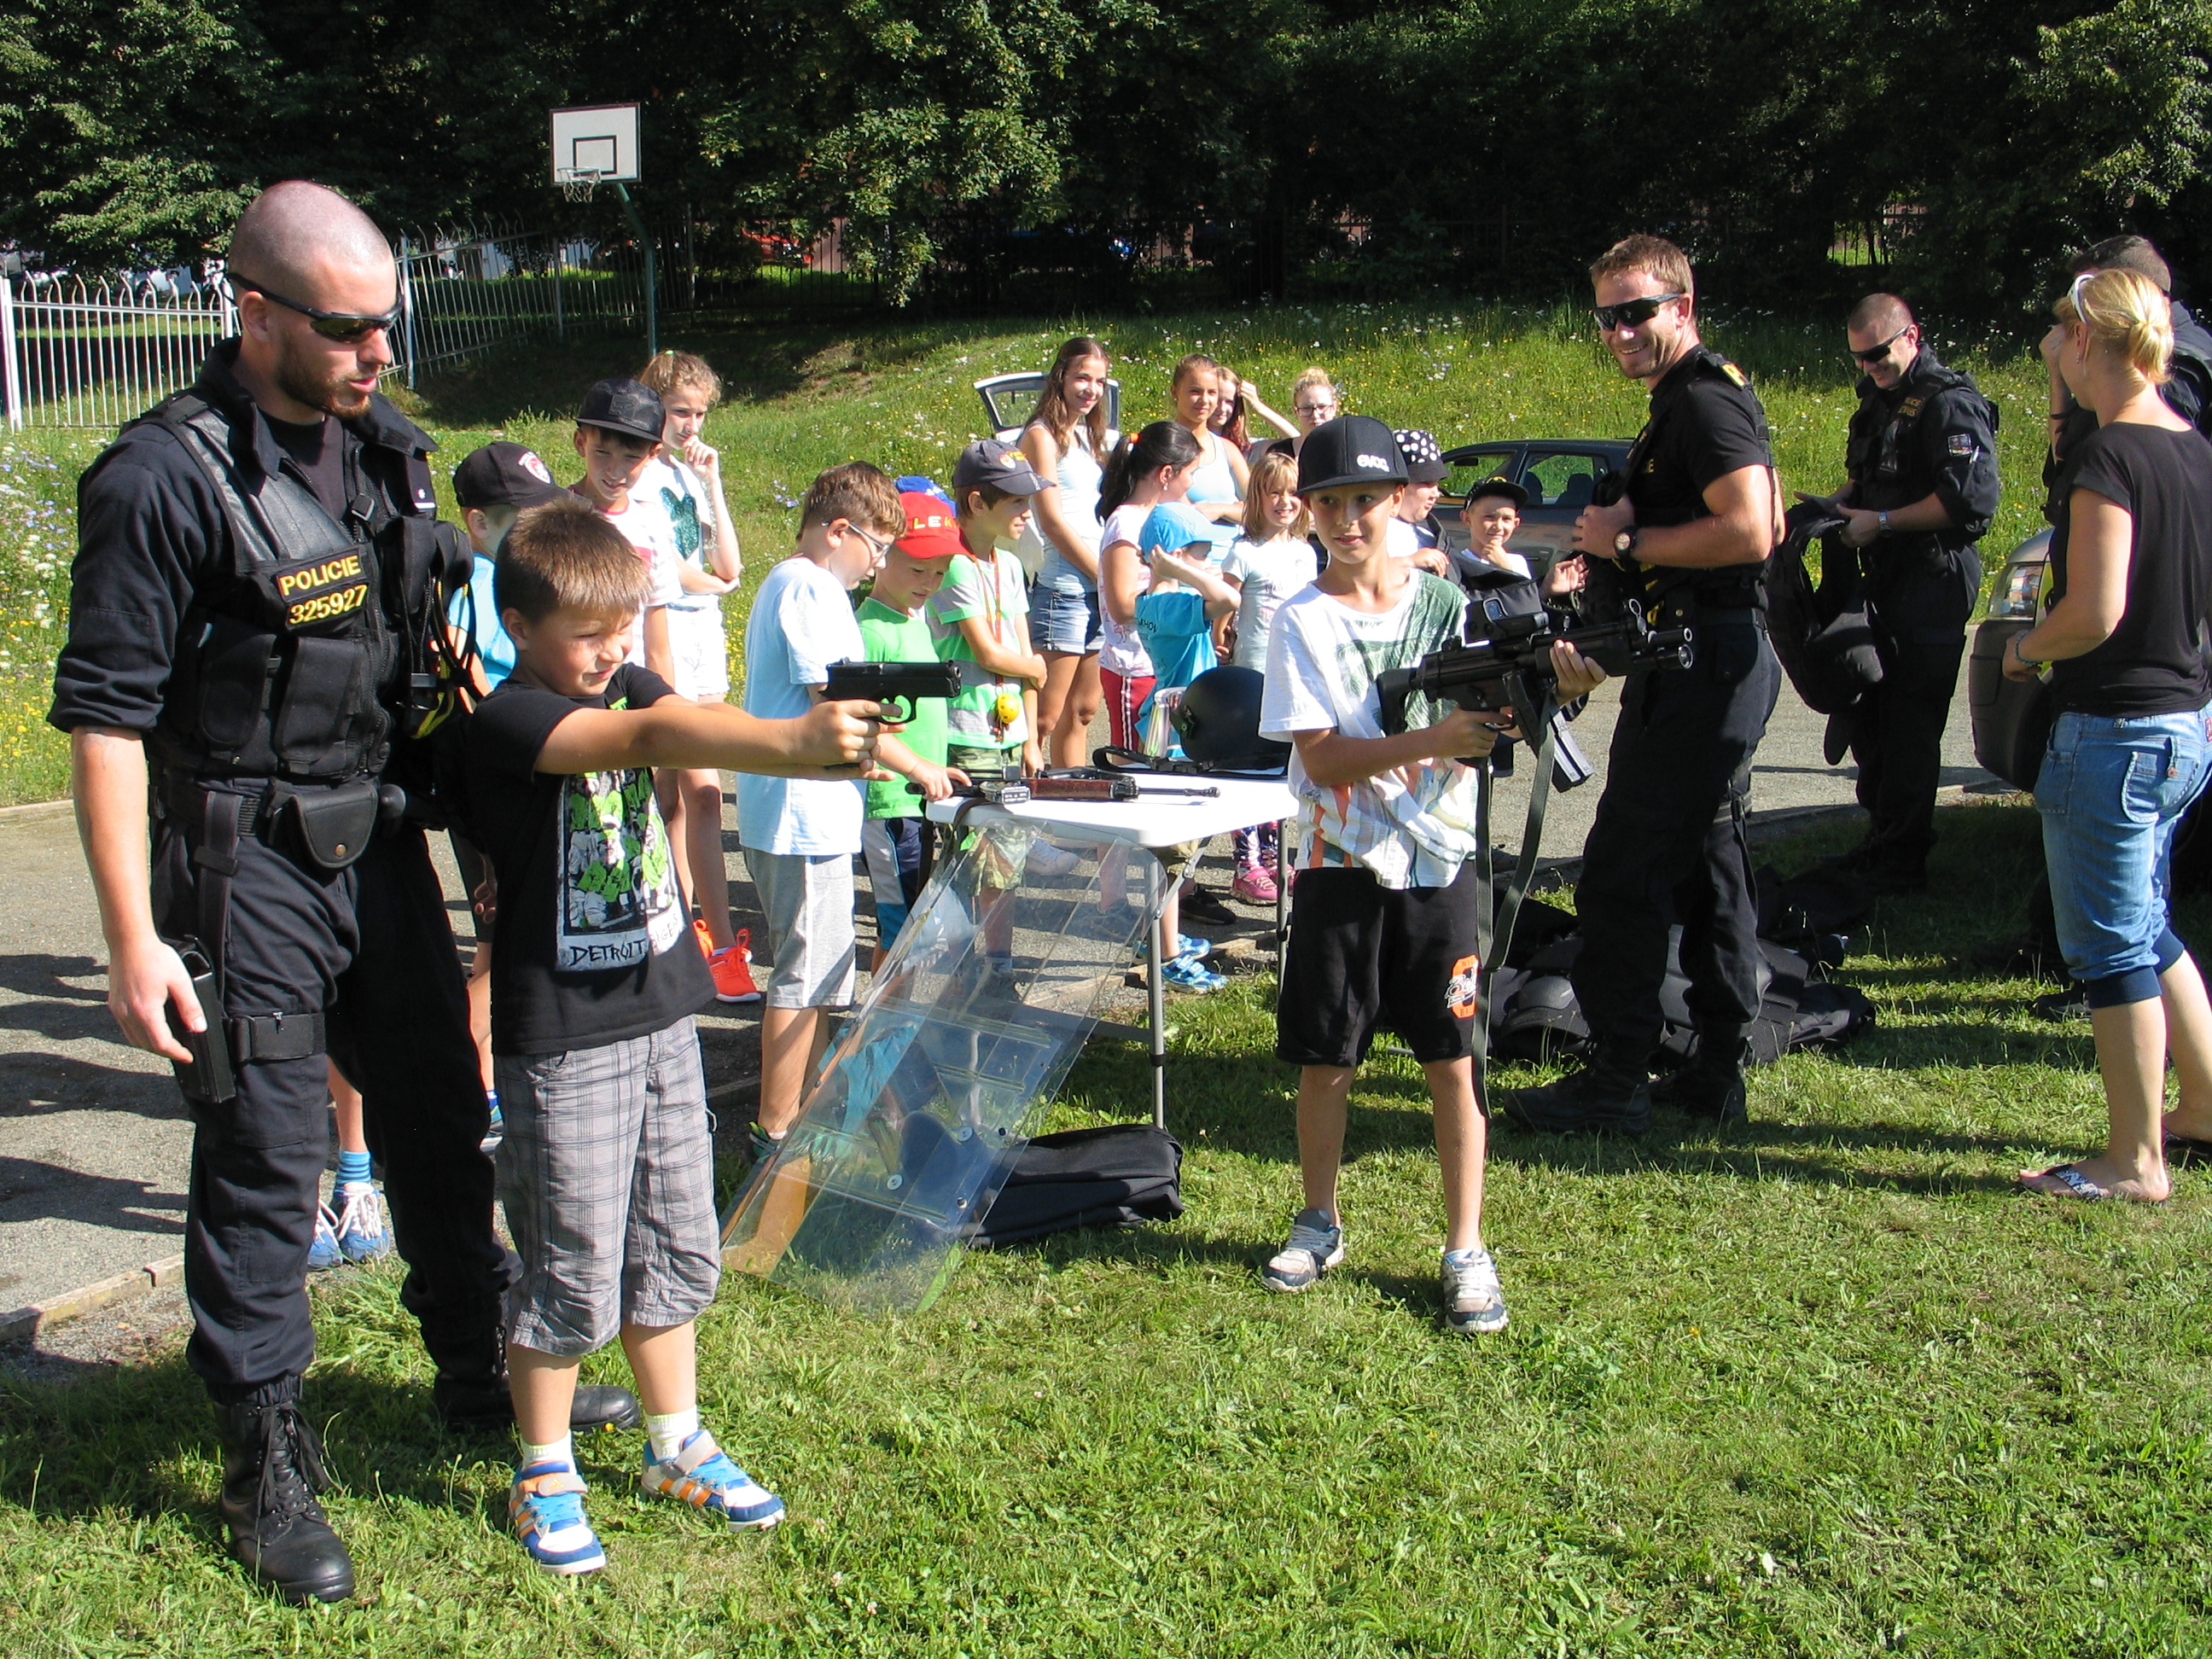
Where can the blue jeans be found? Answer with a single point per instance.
(2112, 793)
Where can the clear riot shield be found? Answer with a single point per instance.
(945, 1069)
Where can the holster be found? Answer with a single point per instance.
(334, 823)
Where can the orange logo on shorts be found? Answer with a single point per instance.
(1459, 994)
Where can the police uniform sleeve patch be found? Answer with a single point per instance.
(1961, 443)
(1735, 374)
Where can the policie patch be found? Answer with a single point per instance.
(312, 594)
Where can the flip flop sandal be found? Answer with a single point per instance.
(2183, 1153)
(2077, 1185)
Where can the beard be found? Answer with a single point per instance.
(305, 375)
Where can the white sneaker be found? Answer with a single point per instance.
(1474, 1302)
(1046, 859)
(1316, 1245)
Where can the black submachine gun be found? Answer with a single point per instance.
(1507, 663)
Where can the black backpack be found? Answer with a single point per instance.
(1114, 1177)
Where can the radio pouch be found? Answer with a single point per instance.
(335, 824)
(207, 1076)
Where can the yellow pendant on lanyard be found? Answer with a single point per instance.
(1008, 707)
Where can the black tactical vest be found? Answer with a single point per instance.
(1883, 457)
(296, 661)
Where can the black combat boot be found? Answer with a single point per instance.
(1711, 1085)
(272, 1467)
(1609, 1095)
(478, 1401)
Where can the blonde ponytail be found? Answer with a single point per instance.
(2125, 315)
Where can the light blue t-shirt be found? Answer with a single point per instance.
(1212, 480)
(493, 649)
(802, 622)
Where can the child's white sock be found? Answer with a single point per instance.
(562, 1451)
(667, 1432)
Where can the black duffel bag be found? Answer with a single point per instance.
(1113, 1176)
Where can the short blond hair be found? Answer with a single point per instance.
(2127, 316)
(564, 556)
(670, 369)
(1655, 256)
(858, 493)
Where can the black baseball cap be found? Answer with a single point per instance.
(1348, 450)
(630, 407)
(504, 475)
(1504, 486)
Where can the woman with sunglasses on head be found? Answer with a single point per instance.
(2122, 642)
(1068, 441)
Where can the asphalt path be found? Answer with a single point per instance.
(93, 1138)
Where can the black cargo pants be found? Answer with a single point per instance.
(370, 947)
(1922, 598)
(1668, 844)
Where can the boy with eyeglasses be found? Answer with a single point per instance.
(799, 835)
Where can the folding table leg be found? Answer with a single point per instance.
(1155, 989)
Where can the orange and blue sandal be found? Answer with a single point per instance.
(701, 1475)
(546, 1504)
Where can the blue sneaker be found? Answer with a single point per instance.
(363, 1233)
(1189, 944)
(701, 1475)
(546, 1504)
(1189, 974)
(324, 1254)
(498, 1133)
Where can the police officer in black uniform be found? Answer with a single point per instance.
(1922, 482)
(1689, 540)
(255, 609)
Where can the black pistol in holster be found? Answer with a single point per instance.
(895, 686)
(207, 1076)
(1507, 661)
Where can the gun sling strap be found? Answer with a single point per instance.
(1492, 941)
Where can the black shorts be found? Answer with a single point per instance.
(1362, 956)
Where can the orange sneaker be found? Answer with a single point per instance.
(733, 982)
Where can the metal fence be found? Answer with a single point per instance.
(75, 352)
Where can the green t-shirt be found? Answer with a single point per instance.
(894, 636)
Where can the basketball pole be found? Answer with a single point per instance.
(652, 283)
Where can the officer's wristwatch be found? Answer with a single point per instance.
(1623, 544)
(1881, 521)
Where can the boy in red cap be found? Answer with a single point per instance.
(894, 837)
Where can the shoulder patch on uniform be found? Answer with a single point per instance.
(1735, 373)
(1961, 443)
(1911, 407)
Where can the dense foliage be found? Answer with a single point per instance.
(1498, 141)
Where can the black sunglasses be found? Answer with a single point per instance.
(1874, 353)
(1631, 313)
(343, 327)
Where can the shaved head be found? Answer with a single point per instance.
(295, 234)
(1880, 315)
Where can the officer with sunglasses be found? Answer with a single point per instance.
(257, 609)
(1688, 539)
(1921, 468)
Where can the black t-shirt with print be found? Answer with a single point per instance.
(2154, 661)
(595, 941)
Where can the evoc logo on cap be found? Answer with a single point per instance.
(1375, 461)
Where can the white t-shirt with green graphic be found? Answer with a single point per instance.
(1413, 826)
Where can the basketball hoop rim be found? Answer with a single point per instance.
(578, 184)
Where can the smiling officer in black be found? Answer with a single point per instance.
(1689, 540)
(254, 618)
(1923, 466)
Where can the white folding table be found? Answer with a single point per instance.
(1154, 823)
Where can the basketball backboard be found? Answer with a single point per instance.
(595, 142)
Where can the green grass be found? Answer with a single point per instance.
(1822, 1385)
(806, 396)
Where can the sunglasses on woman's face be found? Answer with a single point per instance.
(1633, 313)
(343, 328)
